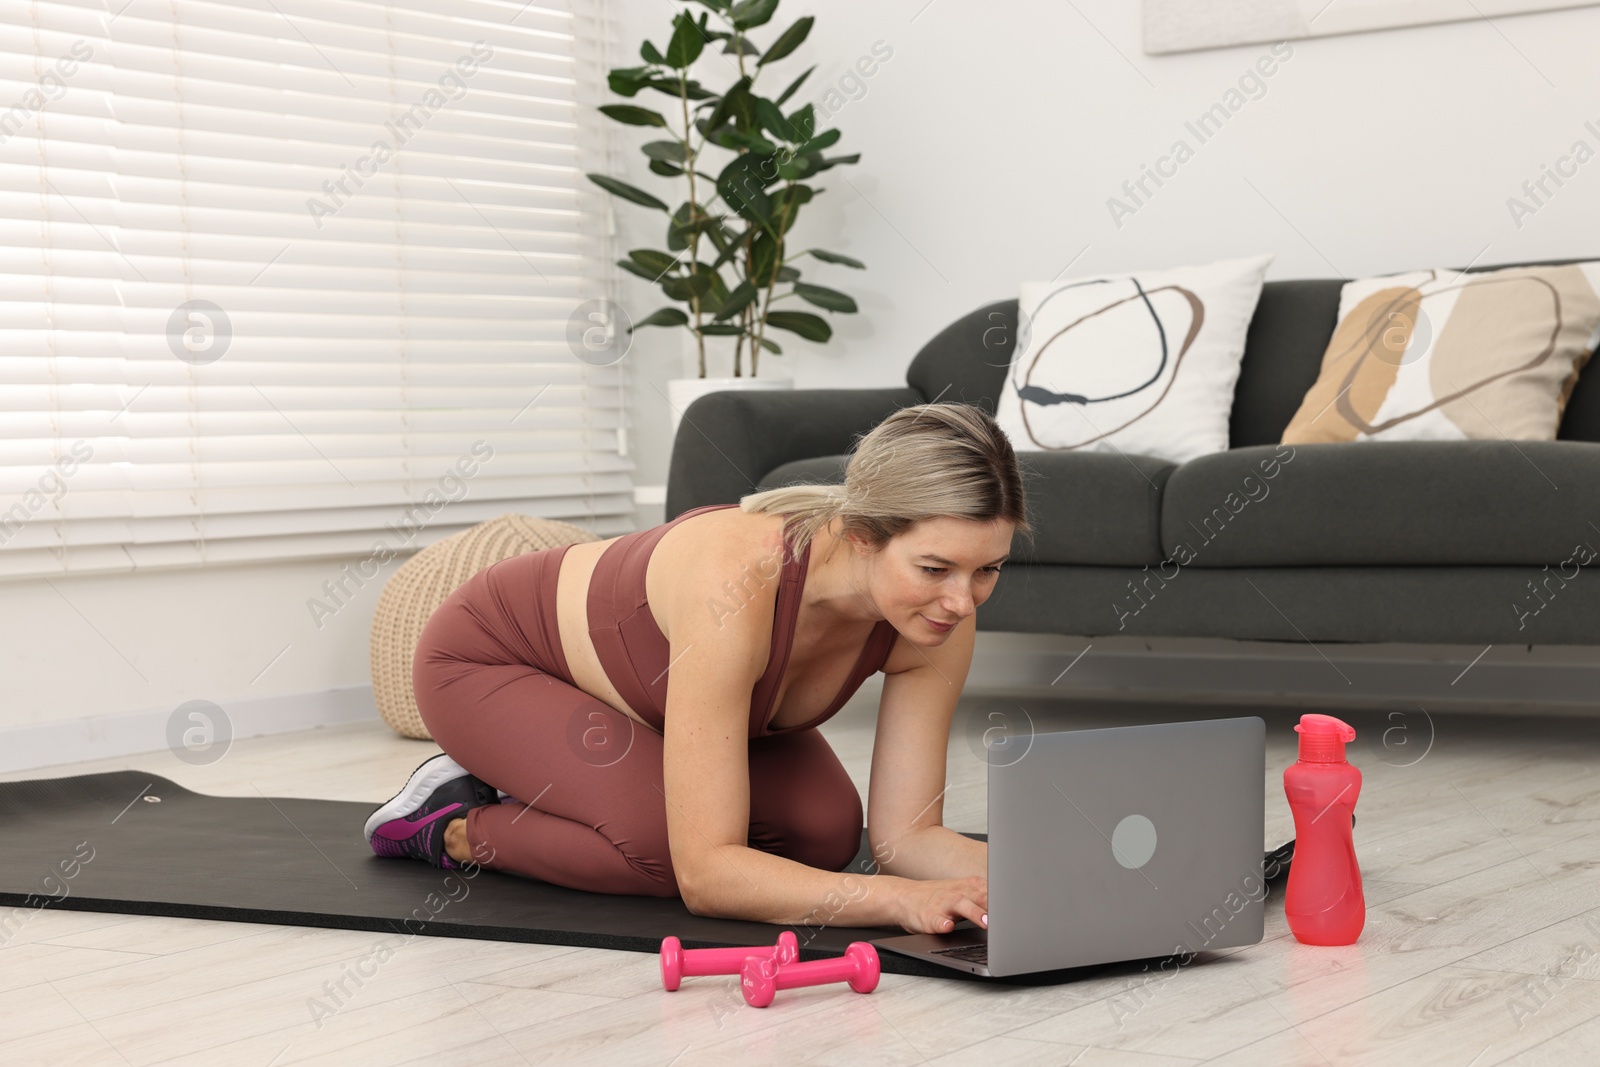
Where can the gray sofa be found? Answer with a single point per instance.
(1490, 542)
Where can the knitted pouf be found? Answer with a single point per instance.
(422, 583)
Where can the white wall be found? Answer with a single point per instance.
(991, 140)
(92, 646)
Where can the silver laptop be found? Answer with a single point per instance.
(1116, 844)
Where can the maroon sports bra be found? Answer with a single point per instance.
(634, 653)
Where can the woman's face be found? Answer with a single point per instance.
(938, 572)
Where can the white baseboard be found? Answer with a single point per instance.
(109, 736)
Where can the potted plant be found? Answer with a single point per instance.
(739, 220)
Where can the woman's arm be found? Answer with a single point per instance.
(905, 806)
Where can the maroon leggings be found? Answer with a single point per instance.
(493, 689)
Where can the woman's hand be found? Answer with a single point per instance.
(936, 905)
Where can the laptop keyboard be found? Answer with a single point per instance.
(967, 953)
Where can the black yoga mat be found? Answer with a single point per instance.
(136, 843)
(101, 842)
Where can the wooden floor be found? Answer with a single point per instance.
(1478, 837)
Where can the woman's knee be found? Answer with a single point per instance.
(803, 804)
(819, 829)
(840, 840)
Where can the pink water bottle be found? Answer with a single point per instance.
(1323, 904)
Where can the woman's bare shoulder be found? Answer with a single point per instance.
(727, 535)
(724, 555)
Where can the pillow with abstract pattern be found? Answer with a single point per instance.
(1141, 363)
(1437, 355)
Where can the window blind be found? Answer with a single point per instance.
(295, 278)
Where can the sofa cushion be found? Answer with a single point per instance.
(1090, 508)
(1385, 503)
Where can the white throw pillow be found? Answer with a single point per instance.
(1142, 363)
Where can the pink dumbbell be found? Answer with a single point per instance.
(676, 961)
(760, 979)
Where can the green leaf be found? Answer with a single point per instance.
(683, 226)
(765, 259)
(632, 115)
(656, 262)
(648, 53)
(686, 43)
(787, 41)
(742, 109)
(719, 6)
(698, 282)
(725, 107)
(834, 257)
(793, 168)
(720, 239)
(664, 317)
(626, 191)
(750, 142)
(771, 118)
(742, 189)
(677, 90)
(722, 329)
(670, 151)
(742, 46)
(804, 122)
(819, 142)
(752, 13)
(671, 170)
(788, 274)
(831, 299)
(738, 300)
(677, 288)
(626, 81)
(771, 346)
(794, 85)
(633, 268)
(702, 279)
(712, 302)
(827, 164)
(807, 325)
(791, 197)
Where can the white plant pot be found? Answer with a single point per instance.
(681, 392)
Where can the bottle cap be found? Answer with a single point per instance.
(1323, 737)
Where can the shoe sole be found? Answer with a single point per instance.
(430, 775)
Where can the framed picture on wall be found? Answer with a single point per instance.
(1189, 25)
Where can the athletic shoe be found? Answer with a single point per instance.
(412, 824)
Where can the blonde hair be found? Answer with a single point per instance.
(924, 461)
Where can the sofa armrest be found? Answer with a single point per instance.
(728, 441)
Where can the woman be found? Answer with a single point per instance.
(546, 677)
